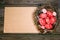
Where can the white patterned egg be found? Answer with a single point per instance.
(43, 27)
(54, 13)
(44, 10)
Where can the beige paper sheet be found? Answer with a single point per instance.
(19, 20)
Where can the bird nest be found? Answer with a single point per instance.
(36, 19)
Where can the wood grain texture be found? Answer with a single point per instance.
(19, 20)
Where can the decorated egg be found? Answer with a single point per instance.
(52, 20)
(50, 14)
(42, 21)
(48, 26)
(47, 20)
(43, 27)
(42, 15)
(54, 13)
(44, 10)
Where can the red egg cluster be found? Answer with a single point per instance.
(47, 19)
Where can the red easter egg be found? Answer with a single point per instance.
(48, 26)
(50, 14)
(42, 21)
(47, 20)
(52, 20)
(43, 15)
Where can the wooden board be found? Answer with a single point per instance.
(19, 20)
